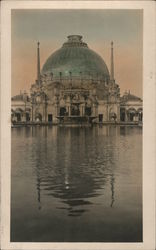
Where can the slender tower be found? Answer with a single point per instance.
(112, 64)
(38, 63)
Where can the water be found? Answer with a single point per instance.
(76, 184)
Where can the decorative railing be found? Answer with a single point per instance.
(75, 80)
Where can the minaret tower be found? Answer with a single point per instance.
(38, 63)
(112, 64)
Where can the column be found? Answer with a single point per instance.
(81, 110)
(137, 117)
(118, 113)
(23, 117)
(56, 110)
(14, 118)
(45, 112)
(94, 112)
(107, 112)
(126, 116)
(32, 114)
(69, 110)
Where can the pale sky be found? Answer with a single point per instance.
(98, 28)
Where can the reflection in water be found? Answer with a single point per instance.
(64, 173)
(73, 193)
(112, 190)
(38, 192)
(74, 180)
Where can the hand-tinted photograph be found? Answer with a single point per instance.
(76, 125)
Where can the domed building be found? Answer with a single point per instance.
(75, 86)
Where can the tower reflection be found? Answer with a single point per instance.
(112, 182)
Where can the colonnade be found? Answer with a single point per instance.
(20, 115)
(47, 114)
(131, 114)
(76, 109)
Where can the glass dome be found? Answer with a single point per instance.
(77, 60)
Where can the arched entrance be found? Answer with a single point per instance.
(122, 114)
(140, 114)
(38, 117)
(75, 110)
(131, 113)
(18, 114)
(88, 111)
(50, 117)
(62, 111)
(27, 116)
(100, 117)
(112, 116)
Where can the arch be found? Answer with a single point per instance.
(62, 111)
(140, 114)
(28, 109)
(18, 114)
(27, 116)
(88, 111)
(38, 117)
(18, 110)
(131, 110)
(75, 111)
(131, 114)
(122, 114)
(112, 115)
(18, 117)
(140, 110)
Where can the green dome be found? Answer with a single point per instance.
(76, 59)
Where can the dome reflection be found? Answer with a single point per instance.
(74, 170)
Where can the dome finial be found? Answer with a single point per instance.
(74, 41)
(74, 38)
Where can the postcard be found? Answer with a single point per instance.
(78, 125)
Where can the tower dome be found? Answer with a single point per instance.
(76, 59)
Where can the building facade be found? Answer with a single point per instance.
(75, 86)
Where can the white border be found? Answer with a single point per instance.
(149, 135)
